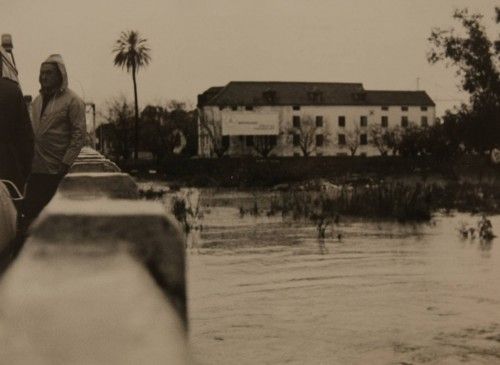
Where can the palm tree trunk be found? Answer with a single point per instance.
(136, 124)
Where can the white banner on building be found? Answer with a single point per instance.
(249, 124)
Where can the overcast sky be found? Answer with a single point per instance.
(197, 44)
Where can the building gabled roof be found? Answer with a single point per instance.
(209, 94)
(386, 97)
(213, 90)
(285, 93)
(307, 93)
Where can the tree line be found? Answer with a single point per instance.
(472, 127)
(168, 130)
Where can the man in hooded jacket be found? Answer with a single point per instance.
(58, 117)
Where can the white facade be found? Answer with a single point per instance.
(213, 117)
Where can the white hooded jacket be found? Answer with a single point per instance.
(60, 130)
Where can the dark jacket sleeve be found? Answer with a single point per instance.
(78, 130)
(22, 134)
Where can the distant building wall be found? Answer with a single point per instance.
(330, 126)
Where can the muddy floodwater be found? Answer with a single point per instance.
(266, 290)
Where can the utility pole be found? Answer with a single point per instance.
(94, 137)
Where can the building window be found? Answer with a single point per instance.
(249, 140)
(269, 96)
(404, 108)
(249, 107)
(225, 142)
(319, 121)
(341, 139)
(296, 140)
(296, 107)
(273, 140)
(404, 122)
(424, 122)
(221, 107)
(341, 121)
(296, 121)
(234, 107)
(423, 108)
(319, 140)
(363, 139)
(363, 121)
(385, 121)
(315, 96)
(385, 108)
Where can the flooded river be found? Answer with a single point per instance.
(266, 290)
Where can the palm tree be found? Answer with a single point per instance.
(132, 53)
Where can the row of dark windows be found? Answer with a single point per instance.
(297, 107)
(318, 121)
(319, 140)
(250, 140)
(363, 140)
(403, 108)
(272, 140)
(363, 121)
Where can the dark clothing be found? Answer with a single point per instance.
(59, 128)
(16, 135)
(45, 102)
(39, 191)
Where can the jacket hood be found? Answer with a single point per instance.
(58, 61)
(8, 68)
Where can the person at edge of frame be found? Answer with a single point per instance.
(16, 133)
(16, 153)
(58, 116)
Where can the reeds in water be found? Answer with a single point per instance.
(404, 203)
(387, 200)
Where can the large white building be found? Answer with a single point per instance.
(293, 118)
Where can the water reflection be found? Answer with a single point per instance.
(381, 293)
(485, 247)
(322, 248)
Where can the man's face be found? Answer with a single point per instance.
(49, 76)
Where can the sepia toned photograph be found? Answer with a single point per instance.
(307, 182)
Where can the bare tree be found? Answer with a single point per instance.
(119, 114)
(352, 140)
(304, 136)
(213, 131)
(176, 105)
(394, 137)
(263, 145)
(380, 137)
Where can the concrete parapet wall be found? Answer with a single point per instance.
(142, 227)
(100, 280)
(94, 166)
(112, 185)
(62, 305)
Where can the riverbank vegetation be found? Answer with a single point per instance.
(321, 200)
